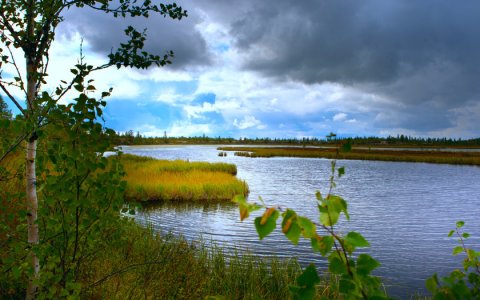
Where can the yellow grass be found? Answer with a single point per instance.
(134, 161)
(161, 180)
(428, 156)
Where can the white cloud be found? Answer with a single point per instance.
(188, 129)
(182, 128)
(340, 117)
(158, 74)
(285, 108)
(248, 122)
(169, 95)
(196, 111)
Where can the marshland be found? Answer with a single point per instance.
(307, 150)
(408, 232)
(440, 156)
(150, 179)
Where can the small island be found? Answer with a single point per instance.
(433, 155)
(153, 180)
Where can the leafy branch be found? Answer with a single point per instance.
(459, 284)
(355, 279)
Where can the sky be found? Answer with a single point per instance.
(290, 69)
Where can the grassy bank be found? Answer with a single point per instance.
(428, 156)
(147, 266)
(150, 179)
(137, 263)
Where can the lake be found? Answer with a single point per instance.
(405, 210)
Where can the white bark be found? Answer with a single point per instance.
(32, 208)
(31, 176)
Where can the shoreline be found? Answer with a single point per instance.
(360, 153)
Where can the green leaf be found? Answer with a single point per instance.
(290, 227)
(460, 224)
(451, 233)
(268, 212)
(309, 230)
(346, 286)
(16, 272)
(432, 283)
(366, 264)
(331, 208)
(355, 239)
(309, 277)
(78, 87)
(341, 171)
(266, 228)
(465, 235)
(244, 207)
(293, 234)
(306, 284)
(322, 244)
(336, 265)
(328, 217)
(457, 250)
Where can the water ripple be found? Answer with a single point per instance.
(405, 210)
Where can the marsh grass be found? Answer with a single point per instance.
(150, 179)
(146, 265)
(428, 156)
(135, 162)
(11, 193)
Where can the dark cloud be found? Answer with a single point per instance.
(423, 56)
(416, 52)
(104, 33)
(358, 41)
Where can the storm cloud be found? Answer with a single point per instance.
(415, 51)
(422, 58)
(104, 33)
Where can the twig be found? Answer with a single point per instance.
(13, 99)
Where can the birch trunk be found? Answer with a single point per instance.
(31, 186)
(32, 208)
(31, 176)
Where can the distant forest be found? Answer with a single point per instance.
(130, 138)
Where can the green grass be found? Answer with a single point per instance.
(150, 179)
(148, 266)
(428, 156)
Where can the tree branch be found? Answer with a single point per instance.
(13, 99)
(13, 146)
(43, 34)
(12, 31)
(15, 65)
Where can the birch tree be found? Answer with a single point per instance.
(28, 27)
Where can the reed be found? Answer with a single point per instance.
(135, 161)
(146, 265)
(427, 156)
(149, 179)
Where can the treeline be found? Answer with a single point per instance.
(131, 138)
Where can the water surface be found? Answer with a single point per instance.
(405, 210)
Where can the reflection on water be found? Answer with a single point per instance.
(405, 210)
(182, 207)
